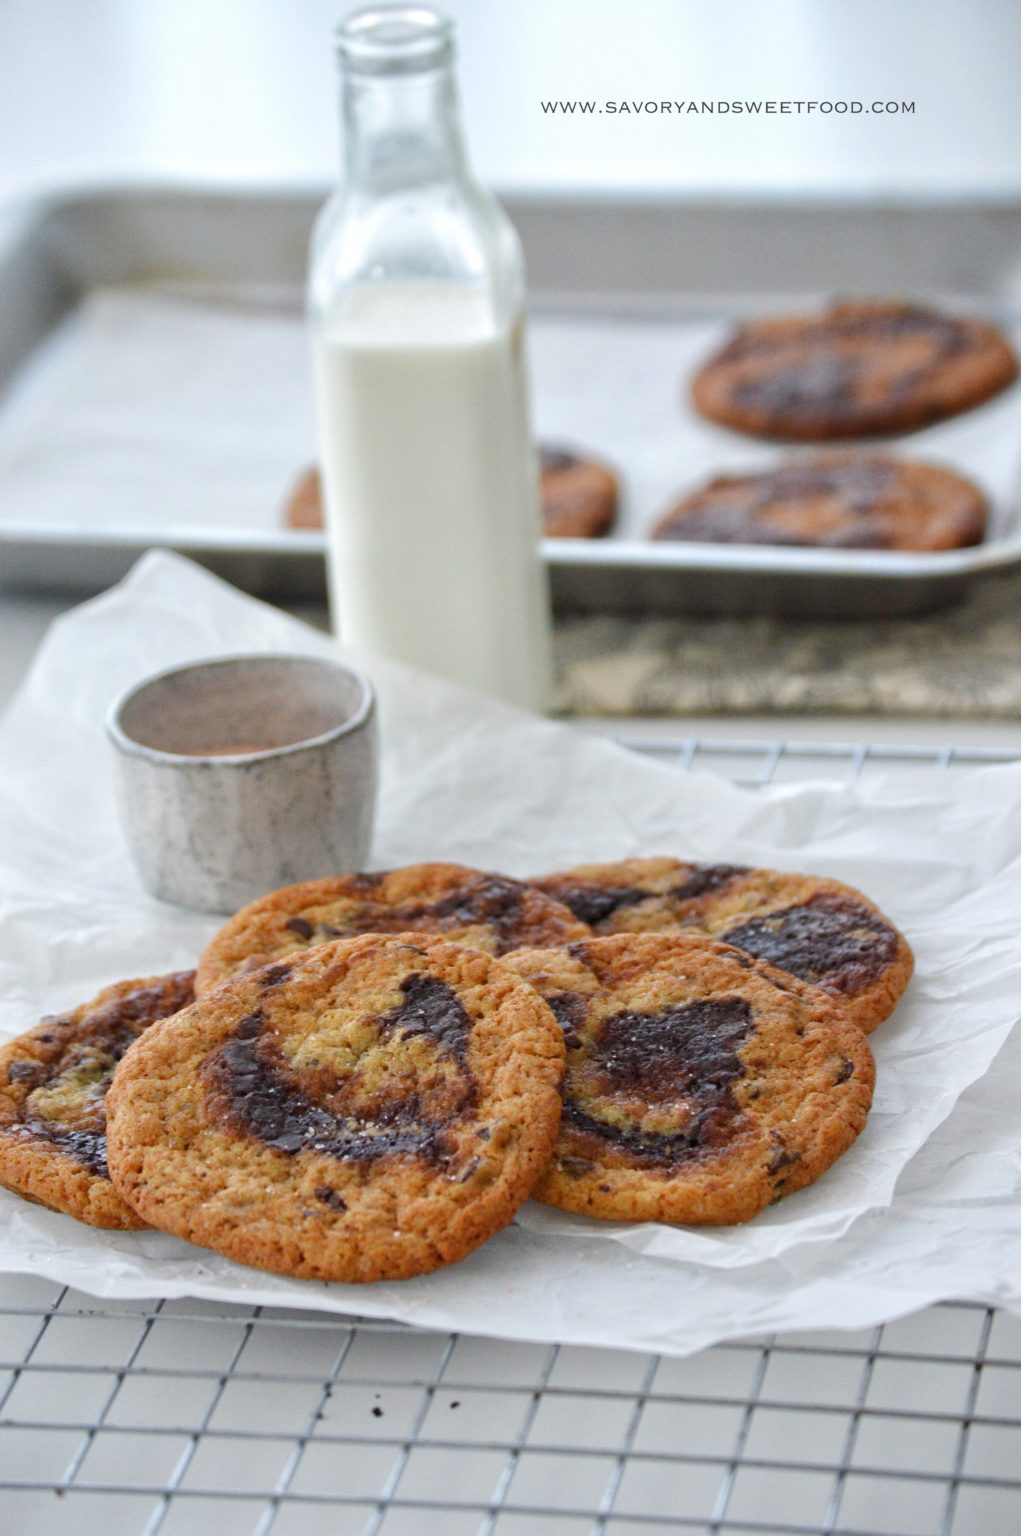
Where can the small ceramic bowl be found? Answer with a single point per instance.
(245, 773)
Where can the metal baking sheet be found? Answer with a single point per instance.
(644, 286)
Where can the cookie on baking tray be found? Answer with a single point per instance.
(373, 1109)
(701, 1085)
(485, 911)
(859, 368)
(579, 495)
(834, 501)
(53, 1084)
(304, 506)
(822, 931)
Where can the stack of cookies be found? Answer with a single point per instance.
(366, 1076)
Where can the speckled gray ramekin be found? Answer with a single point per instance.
(296, 803)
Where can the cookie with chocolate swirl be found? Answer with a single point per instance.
(369, 1109)
(701, 1085)
(860, 368)
(579, 495)
(824, 932)
(834, 501)
(53, 1085)
(468, 906)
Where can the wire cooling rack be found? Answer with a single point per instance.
(183, 1418)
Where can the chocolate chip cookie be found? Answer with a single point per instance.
(859, 368)
(579, 495)
(53, 1084)
(819, 930)
(839, 501)
(372, 1109)
(485, 911)
(701, 1085)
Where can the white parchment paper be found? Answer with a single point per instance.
(924, 1206)
(167, 415)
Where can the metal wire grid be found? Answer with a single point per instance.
(133, 1419)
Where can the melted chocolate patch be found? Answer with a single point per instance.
(781, 1156)
(751, 509)
(330, 1197)
(257, 1092)
(24, 1071)
(709, 1130)
(553, 459)
(686, 1055)
(86, 1147)
(494, 900)
(432, 1008)
(83, 1063)
(705, 878)
(368, 880)
(273, 975)
(827, 377)
(593, 904)
(686, 1052)
(570, 1010)
(823, 380)
(831, 941)
(491, 899)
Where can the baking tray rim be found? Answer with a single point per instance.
(632, 554)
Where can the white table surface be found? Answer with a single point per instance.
(245, 90)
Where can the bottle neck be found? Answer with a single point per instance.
(401, 131)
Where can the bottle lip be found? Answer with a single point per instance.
(394, 40)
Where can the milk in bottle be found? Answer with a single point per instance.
(416, 300)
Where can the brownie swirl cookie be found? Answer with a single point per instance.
(859, 368)
(304, 507)
(53, 1085)
(839, 501)
(579, 495)
(701, 1085)
(819, 930)
(373, 1109)
(484, 911)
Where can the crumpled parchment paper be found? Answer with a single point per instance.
(924, 1206)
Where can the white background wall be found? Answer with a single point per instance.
(244, 90)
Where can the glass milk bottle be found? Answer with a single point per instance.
(416, 303)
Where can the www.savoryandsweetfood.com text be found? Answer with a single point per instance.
(639, 108)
